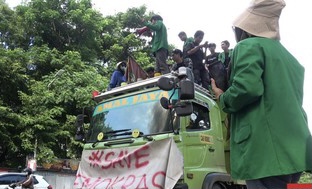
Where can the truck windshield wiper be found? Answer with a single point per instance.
(117, 131)
(109, 133)
(125, 134)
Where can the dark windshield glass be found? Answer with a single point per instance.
(146, 115)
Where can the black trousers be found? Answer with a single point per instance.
(201, 77)
(274, 182)
(161, 61)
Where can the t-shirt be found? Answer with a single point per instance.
(188, 41)
(225, 58)
(212, 58)
(187, 62)
(197, 58)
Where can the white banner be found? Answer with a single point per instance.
(157, 164)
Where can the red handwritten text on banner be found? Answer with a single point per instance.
(157, 164)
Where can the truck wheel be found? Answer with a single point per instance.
(217, 186)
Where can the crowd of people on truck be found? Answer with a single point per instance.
(270, 141)
(193, 55)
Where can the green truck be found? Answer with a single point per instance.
(162, 132)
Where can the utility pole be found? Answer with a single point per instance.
(35, 150)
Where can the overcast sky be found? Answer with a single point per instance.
(215, 18)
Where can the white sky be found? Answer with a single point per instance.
(215, 18)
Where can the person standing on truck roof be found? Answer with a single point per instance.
(225, 56)
(159, 43)
(187, 40)
(213, 56)
(195, 51)
(215, 67)
(271, 143)
(118, 76)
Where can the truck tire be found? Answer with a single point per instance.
(218, 186)
(215, 180)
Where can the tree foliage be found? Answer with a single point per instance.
(53, 55)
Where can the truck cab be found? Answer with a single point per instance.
(177, 122)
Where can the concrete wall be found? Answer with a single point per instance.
(58, 180)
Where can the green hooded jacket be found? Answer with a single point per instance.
(221, 56)
(269, 129)
(159, 39)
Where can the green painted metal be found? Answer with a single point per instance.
(204, 151)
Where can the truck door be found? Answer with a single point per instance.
(202, 145)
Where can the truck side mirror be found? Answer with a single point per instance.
(187, 91)
(80, 134)
(165, 83)
(184, 108)
(164, 102)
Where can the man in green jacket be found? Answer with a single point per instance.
(186, 41)
(159, 44)
(271, 144)
(225, 56)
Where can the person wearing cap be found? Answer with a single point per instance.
(271, 144)
(159, 44)
(118, 77)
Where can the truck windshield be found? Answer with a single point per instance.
(117, 118)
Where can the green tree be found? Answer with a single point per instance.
(53, 55)
(62, 24)
(50, 108)
(12, 80)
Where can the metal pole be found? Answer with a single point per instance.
(35, 150)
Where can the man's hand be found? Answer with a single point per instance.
(204, 45)
(217, 92)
